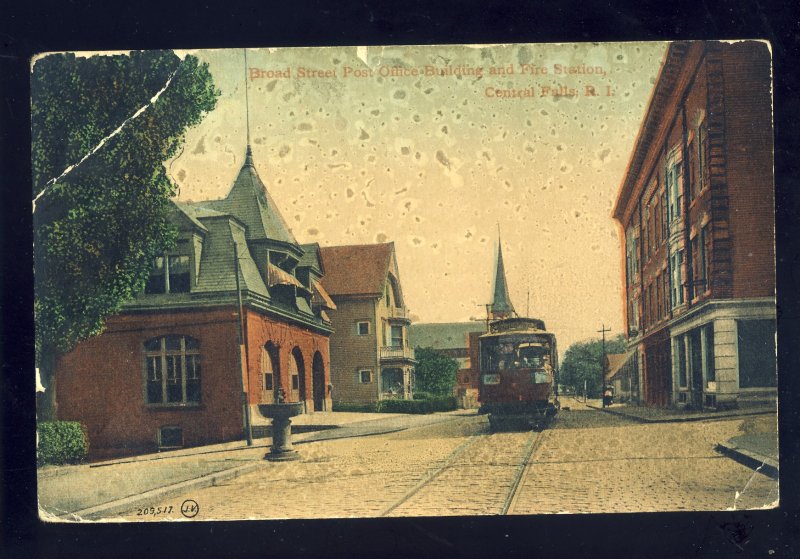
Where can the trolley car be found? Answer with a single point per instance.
(518, 385)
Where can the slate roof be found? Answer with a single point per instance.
(443, 335)
(356, 269)
(250, 201)
(311, 258)
(217, 264)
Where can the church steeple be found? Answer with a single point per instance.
(501, 306)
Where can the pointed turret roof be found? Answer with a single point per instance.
(250, 201)
(501, 303)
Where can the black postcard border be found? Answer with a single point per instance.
(29, 28)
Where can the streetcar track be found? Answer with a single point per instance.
(431, 476)
(531, 445)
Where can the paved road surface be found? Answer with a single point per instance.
(588, 462)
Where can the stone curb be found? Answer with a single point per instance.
(129, 503)
(764, 464)
(680, 419)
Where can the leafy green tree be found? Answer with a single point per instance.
(435, 373)
(582, 362)
(98, 226)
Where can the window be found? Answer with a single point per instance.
(365, 376)
(756, 349)
(680, 356)
(676, 289)
(659, 296)
(269, 367)
(711, 374)
(631, 254)
(397, 336)
(170, 274)
(702, 150)
(170, 436)
(674, 184)
(646, 239)
(173, 370)
(362, 328)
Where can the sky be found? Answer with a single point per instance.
(356, 149)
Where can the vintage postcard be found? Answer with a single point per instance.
(349, 282)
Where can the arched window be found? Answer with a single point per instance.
(269, 367)
(173, 370)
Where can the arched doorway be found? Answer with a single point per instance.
(318, 381)
(297, 377)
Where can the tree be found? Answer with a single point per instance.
(435, 372)
(581, 363)
(98, 226)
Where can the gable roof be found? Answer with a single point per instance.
(615, 363)
(443, 335)
(250, 201)
(356, 269)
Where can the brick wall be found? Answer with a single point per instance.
(749, 151)
(101, 383)
(295, 343)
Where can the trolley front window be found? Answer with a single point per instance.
(514, 352)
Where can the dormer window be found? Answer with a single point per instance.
(170, 274)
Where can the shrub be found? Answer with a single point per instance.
(423, 395)
(61, 442)
(430, 405)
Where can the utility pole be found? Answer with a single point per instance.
(248, 427)
(603, 330)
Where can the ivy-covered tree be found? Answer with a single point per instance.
(581, 363)
(98, 225)
(435, 373)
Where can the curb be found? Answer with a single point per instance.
(129, 503)
(764, 464)
(681, 419)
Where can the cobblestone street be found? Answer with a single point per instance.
(588, 462)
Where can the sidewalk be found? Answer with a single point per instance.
(644, 414)
(758, 451)
(90, 490)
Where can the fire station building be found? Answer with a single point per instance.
(170, 370)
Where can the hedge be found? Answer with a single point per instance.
(363, 408)
(444, 403)
(61, 442)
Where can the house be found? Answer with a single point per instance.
(371, 358)
(619, 377)
(168, 370)
(459, 341)
(696, 207)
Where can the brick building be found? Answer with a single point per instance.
(696, 206)
(168, 370)
(371, 358)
